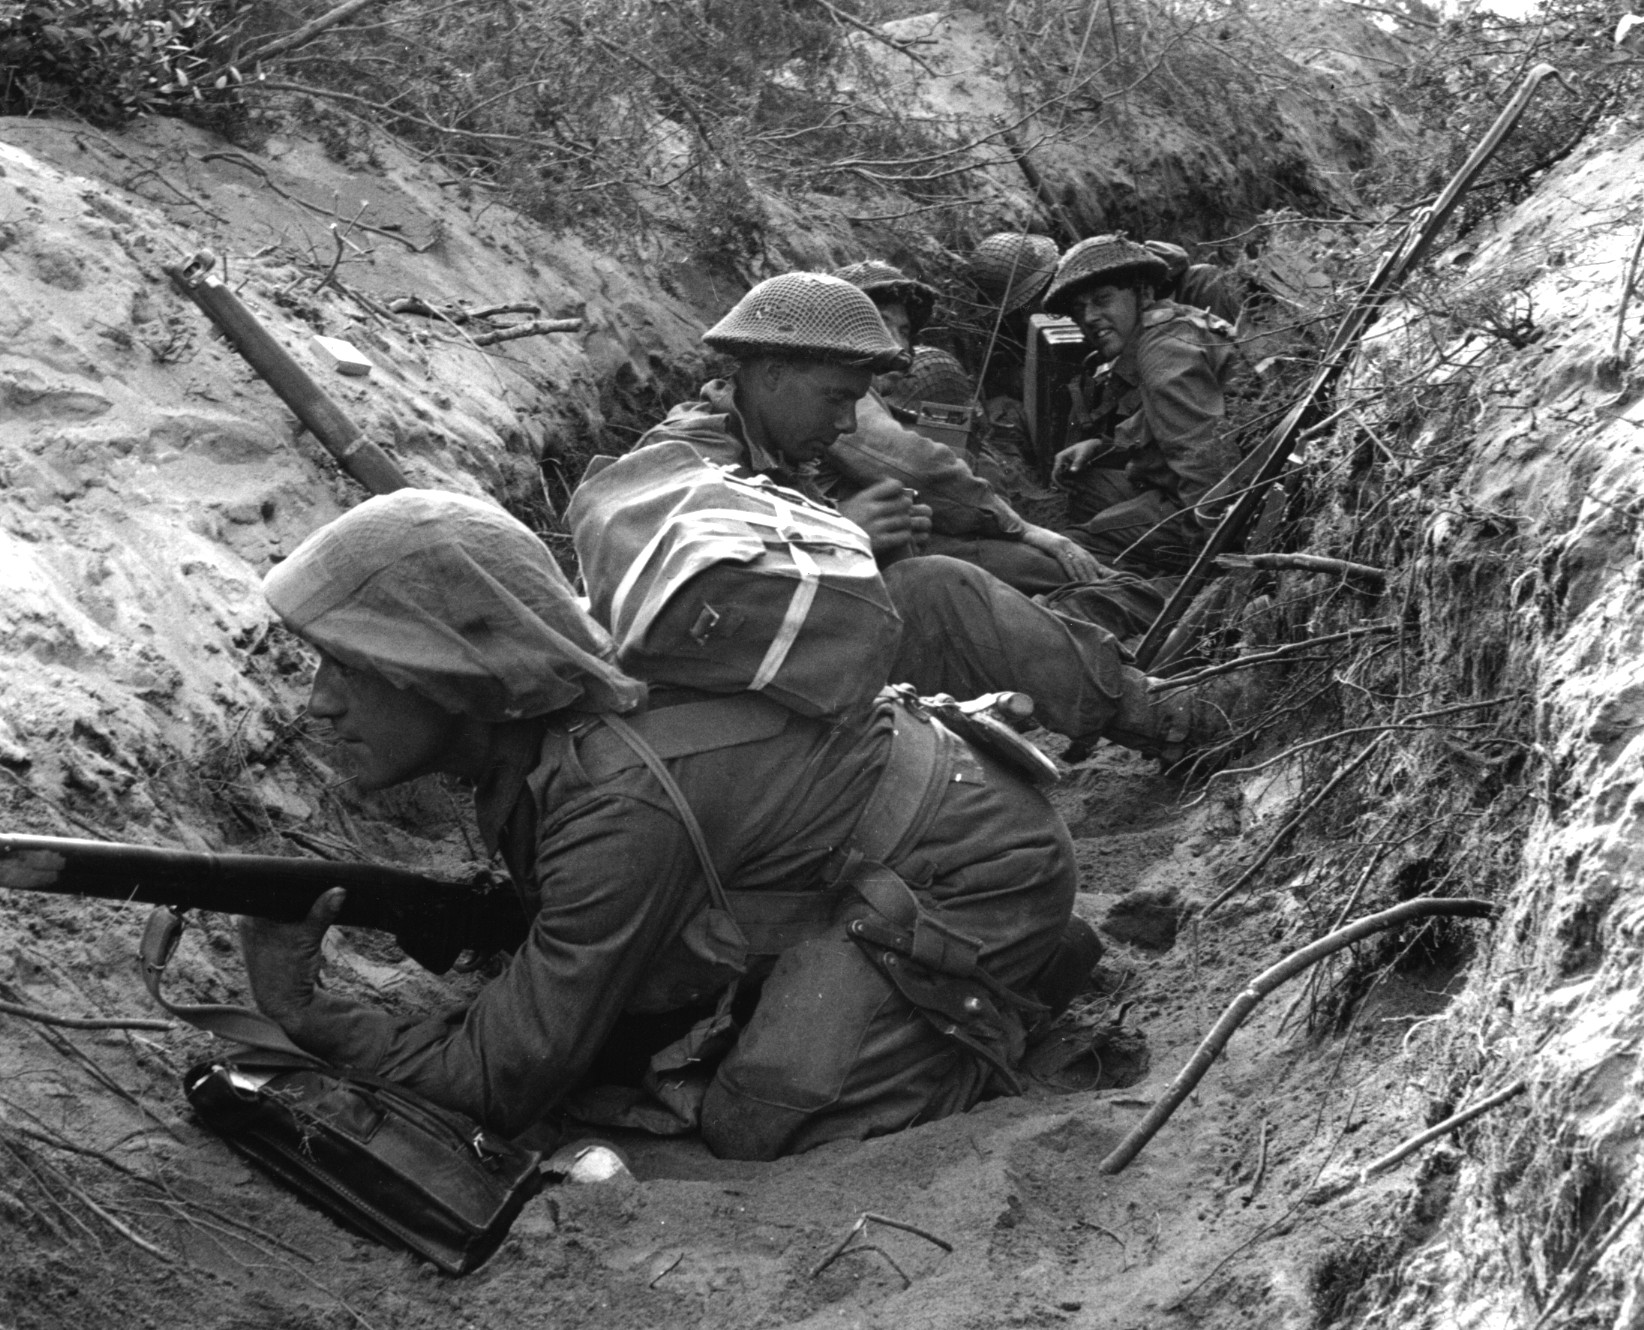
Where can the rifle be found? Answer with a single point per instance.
(432, 920)
(1282, 447)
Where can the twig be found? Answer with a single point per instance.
(1450, 1124)
(241, 160)
(1626, 296)
(901, 48)
(1263, 657)
(1311, 563)
(1263, 984)
(535, 328)
(457, 313)
(1404, 725)
(280, 45)
(84, 1022)
(874, 1247)
(1288, 829)
(860, 1226)
(1261, 1163)
(1578, 1276)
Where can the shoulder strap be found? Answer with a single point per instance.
(683, 731)
(693, 828)
(239, 1024)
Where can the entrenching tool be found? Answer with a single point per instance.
(1280, 451)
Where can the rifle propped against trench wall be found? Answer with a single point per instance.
(433, 920)
(1279, 451)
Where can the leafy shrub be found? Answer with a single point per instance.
(112, 60)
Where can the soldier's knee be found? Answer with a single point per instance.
(933, 581)
(736, 1127)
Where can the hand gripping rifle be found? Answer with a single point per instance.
(432, 920)
(1279, 450)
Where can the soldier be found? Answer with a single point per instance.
(969, 519)
(807, 347)
(1165, 396)
(1202, 285)
(862, 910)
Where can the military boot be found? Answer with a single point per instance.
(1175, 724)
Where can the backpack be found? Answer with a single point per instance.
(728, 583)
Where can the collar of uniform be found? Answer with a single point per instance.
(720, 394)
(520, 750)
(1151, 315)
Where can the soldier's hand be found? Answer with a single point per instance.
(282, 961)
(1072, 460)
(887, 512)
(1077, 562)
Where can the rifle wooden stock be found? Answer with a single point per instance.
(433, 920)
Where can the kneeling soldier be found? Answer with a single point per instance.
(861, 908)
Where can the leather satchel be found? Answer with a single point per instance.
(381, 1159)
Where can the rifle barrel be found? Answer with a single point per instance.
(433, 918)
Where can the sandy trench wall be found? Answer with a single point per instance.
(1545, 1205)
(147, 477)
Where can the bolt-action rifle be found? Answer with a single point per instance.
(433, 921)
(1280, 450)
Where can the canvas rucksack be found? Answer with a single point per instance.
(729, 583)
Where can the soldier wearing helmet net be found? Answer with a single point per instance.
(1166, 392)
(693, 956)
(969, 519)
(808, 347)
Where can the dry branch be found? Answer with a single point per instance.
(1263, 984)
(83, 1022)
(1289, 828)
(535, 328)
(1310, 563)
(301, 37)
(1265, 657)
(1444, 1128)
(901, 48)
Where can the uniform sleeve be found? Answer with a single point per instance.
(618, 881)
(1184, 413)
(961, 502)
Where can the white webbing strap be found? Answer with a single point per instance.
(799, 607)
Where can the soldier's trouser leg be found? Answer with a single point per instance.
(1013, 562)
(834, 1051)
(966, 633)
(1147, 532)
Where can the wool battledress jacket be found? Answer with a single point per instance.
(1167, 391)
(612, 885)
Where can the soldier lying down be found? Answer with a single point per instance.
(449, 641)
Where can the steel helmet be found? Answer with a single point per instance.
(1175, 257)
(1112, 260)
(812, 316)
(935, 377)
(887, 285)
(1013, 269)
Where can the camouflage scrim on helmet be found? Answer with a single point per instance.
(935, 377)
(1012, 269)
(1114, 260)
(810, 316)
(886, 285)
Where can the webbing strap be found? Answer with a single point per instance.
(684, 731)
(799, 606)
(241, 1025)
(693, 828)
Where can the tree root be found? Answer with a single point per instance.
(1260, 987)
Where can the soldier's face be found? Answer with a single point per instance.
(897, 320)
(1109, 315)
(798, 408)
(390, 734)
